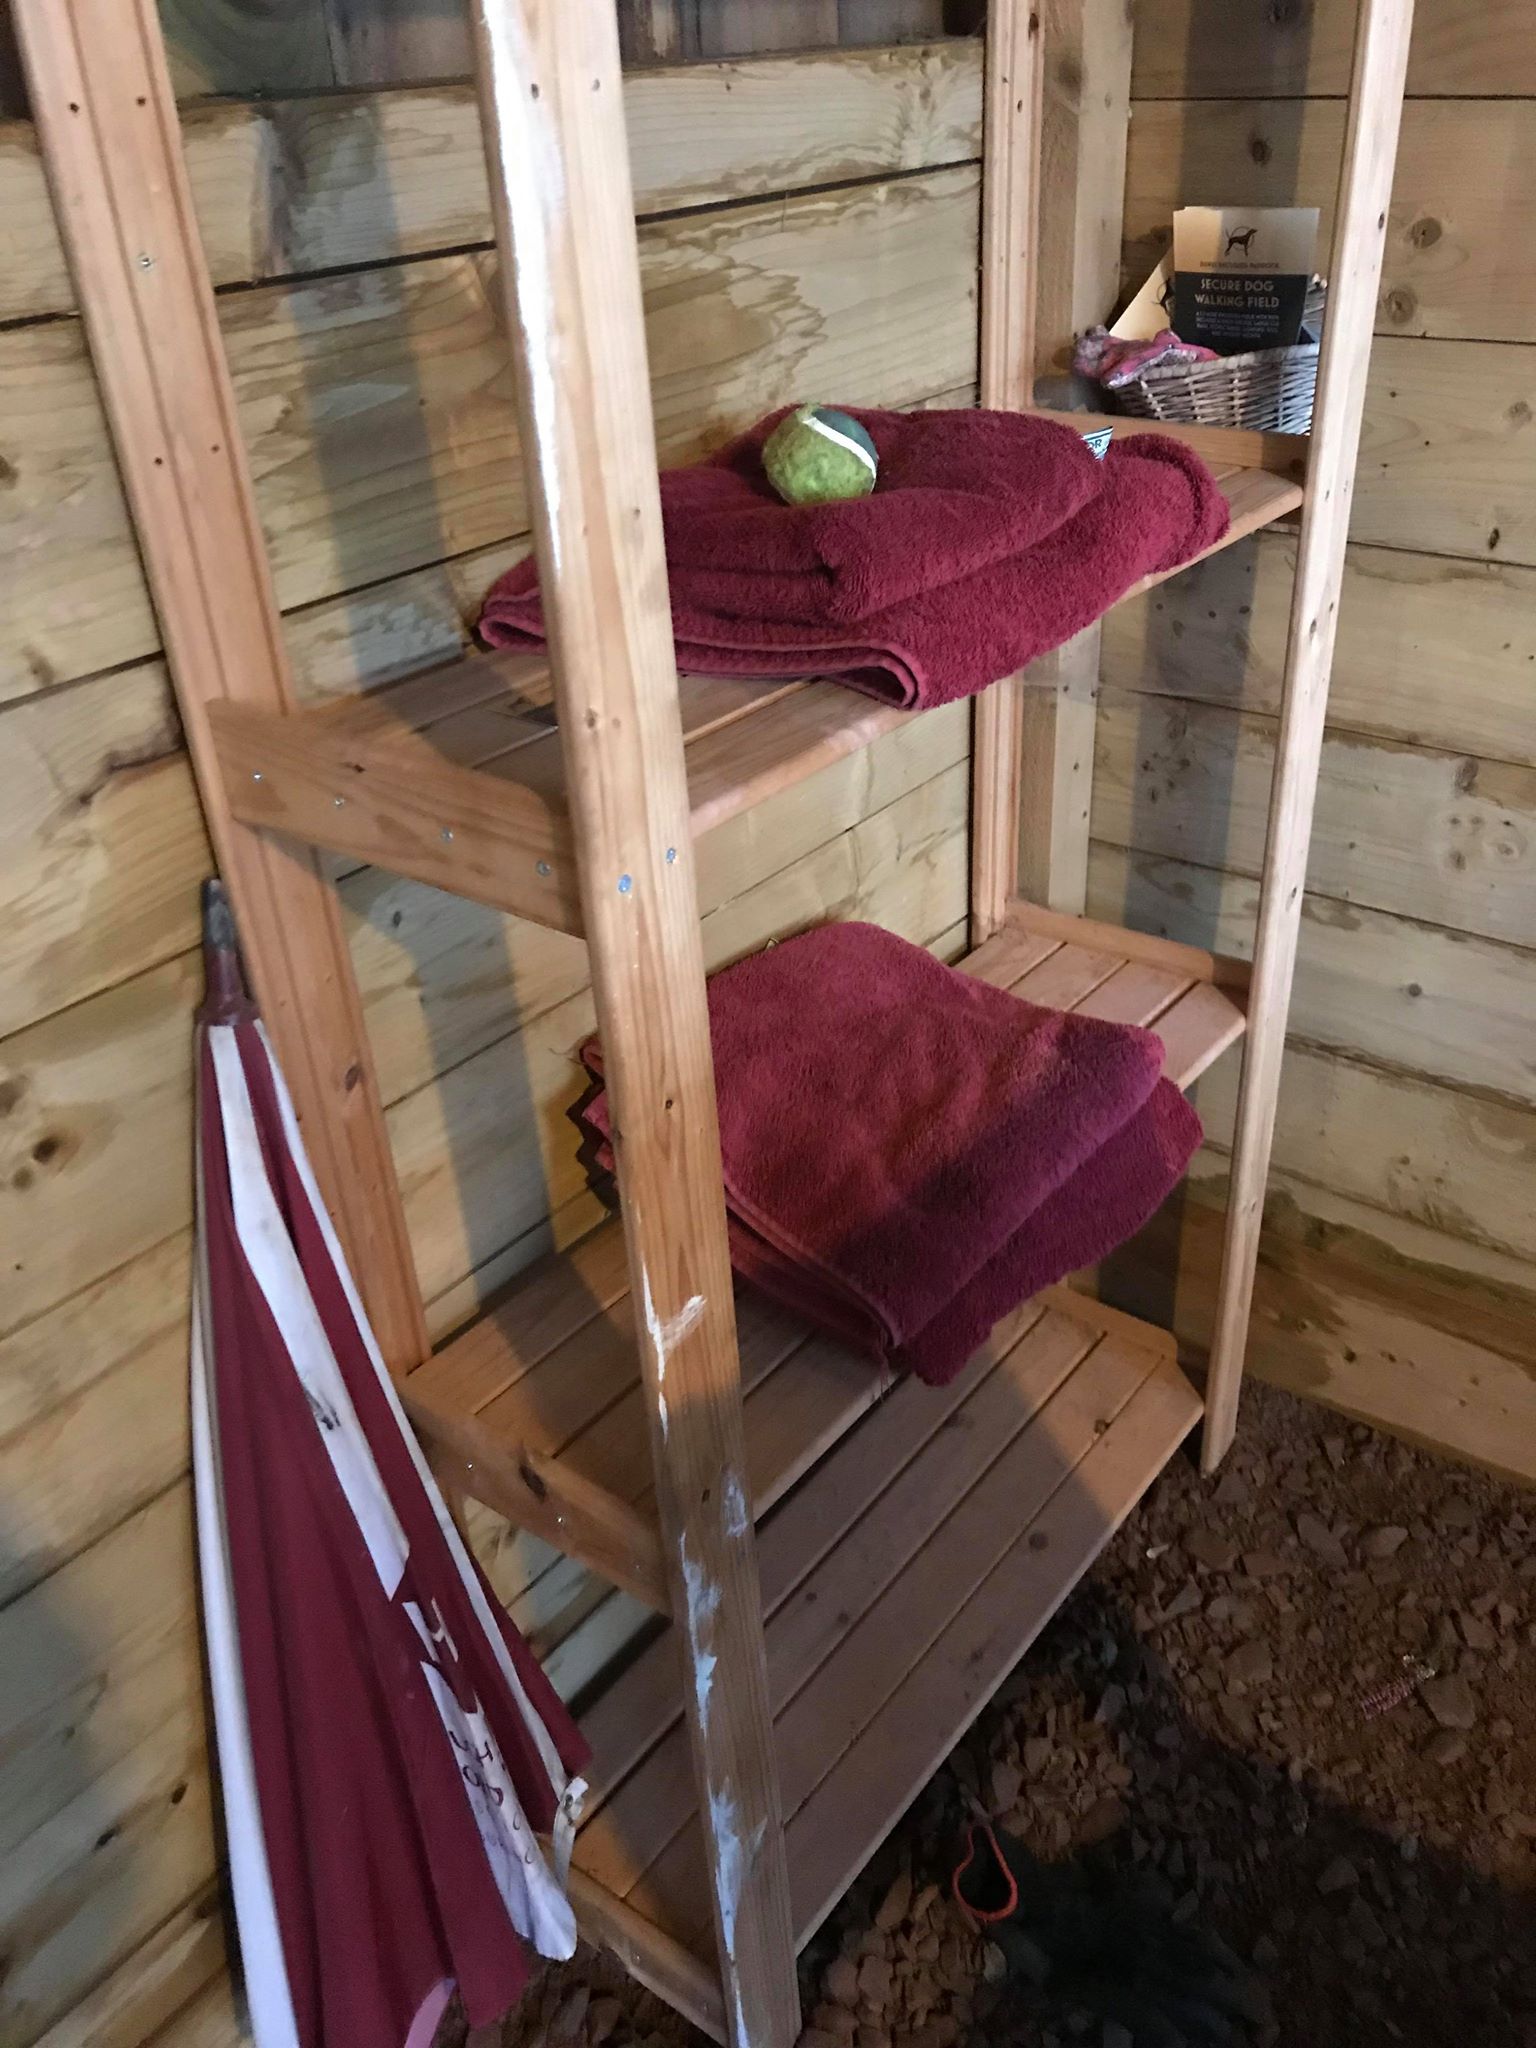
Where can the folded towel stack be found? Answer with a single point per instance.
(910, 1153)
(990, 538)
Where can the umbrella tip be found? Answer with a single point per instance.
(226, 997)
(218, 918)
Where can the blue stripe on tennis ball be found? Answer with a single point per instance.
(845, 424)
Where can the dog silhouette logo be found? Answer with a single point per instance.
(1240, 239)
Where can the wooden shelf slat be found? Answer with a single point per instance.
(863, 1794)
(454, 777)
(539, 1403)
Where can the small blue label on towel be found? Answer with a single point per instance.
(1098, 441)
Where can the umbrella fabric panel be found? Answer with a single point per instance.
(544, 1733)
(399, 1774)
(363, 1940)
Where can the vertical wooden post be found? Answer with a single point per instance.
(1365, 189)
(1009, 212)
(1083, 127)
(106, 118)
(559, 174)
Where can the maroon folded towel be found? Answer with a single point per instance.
(975, 486)
(910, 1153)
(956, 629)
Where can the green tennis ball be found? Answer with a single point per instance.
(819, 456)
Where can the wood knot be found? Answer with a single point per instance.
(1425, 233)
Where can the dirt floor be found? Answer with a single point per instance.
(1276, 1766)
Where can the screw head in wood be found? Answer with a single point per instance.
(447, 831)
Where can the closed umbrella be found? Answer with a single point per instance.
(390, 1753)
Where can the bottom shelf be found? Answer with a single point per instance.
(901, 1580)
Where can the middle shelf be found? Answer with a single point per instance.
(539, 1405)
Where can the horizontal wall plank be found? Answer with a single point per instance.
(103, 1873)
(1350, 1324)
(102, 844)
(388, 40)
(101, 840)
(1457, 1163)
(1431, 651)
(1212, 49)
(1439, 1003)
(1448, 450)
(98, 1101)
(234, 46)
(378, 406)
(151, 1987)
(1454, 1283)
(1455, 266)
(104, 1824)
(213, 2019)
(93, 1396)
(727, 26)
(283, 187)
(94, 1660)
(1447, 839)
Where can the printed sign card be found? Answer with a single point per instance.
(1241, 275)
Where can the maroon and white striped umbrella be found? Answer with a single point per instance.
(389, 1750)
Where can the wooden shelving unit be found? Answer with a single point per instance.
(849, 1567)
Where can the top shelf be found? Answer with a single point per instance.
(454, 777)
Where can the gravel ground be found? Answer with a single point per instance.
(1281, 1741)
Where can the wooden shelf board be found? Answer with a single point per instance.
(454, 777)
(901, 1582)
(540, 1401)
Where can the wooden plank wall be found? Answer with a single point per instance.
(1401, 1262)
(348, 238)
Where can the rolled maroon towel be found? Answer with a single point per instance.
(909, 1153)
(967, 615)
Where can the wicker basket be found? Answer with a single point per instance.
(1271, 390)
